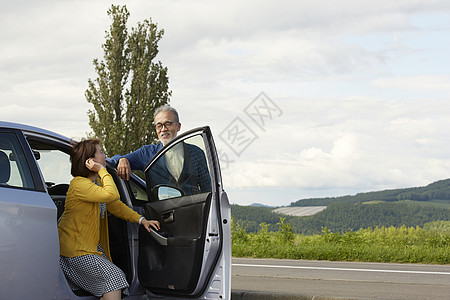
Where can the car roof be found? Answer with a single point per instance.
(32, 130)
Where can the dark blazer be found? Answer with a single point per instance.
(194, 176)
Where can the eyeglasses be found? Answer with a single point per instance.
(168, 125)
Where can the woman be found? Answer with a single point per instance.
(83, 228)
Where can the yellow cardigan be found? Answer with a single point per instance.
(81, 228)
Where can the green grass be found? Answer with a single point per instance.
(429, 245)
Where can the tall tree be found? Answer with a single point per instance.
(123, 110)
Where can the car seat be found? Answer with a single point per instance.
(58, 193)
(5, 168)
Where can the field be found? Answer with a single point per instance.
(300, 211)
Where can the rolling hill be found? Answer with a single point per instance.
(407, 206)
(437, 192)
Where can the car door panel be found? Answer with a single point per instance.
(29, 248)
(175, 265)
(185, 257)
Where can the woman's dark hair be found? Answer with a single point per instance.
(80, 152)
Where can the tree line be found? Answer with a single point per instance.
(343, 217)
(436, 191)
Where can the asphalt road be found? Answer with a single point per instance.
(345, 280)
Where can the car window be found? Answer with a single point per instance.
(14, 168)
(54, 164)
(183, 170)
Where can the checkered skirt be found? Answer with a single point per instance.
(93, 273)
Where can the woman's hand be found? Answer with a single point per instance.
(152, 223)
(93, 166)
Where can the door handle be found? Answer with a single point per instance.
(168, 217)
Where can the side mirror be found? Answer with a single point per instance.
(162, 192)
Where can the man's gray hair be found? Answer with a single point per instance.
(167, 107)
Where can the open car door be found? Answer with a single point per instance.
(190, 256)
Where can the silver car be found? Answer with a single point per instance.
(190, 258)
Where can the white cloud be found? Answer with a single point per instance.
(363, 86)
(362, 144)
(427, 82)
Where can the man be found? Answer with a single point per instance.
(167, 125)
(184, 165)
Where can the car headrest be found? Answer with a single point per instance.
(5, 168)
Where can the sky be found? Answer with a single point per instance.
(305, 98)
